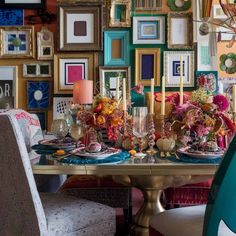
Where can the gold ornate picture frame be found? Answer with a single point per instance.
(147, 66)
(180, 30)
(17, 42)
(119, 12)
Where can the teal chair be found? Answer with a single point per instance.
(217, 218)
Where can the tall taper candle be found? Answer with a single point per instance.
(181, 88)
(163, 96)
(152, 97)
(117, 88)
(234, 98)
(124, 95)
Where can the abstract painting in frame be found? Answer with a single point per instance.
(80, 27)
(172, 68)
(116, 52)
(147, 66)
(69, 68)
(28, 4)
(180, 30)
(108, 76)
(11, 17)
(8, 87)
(38, 94)
(17, 42)
(60, 104)
(149, 30)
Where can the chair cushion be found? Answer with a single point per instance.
(68, 215)
(184, 221)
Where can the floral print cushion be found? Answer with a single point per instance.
(68, 215)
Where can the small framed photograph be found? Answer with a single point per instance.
(148, 30)
(80, 26)
(207, 80)
(38, 94)
(172, 68)
(141, 6)
(108, 79)
(147, 66)
(180, 30)
(120, 13)
(8, 87)
(28, 4)
(37, 70)
(116, 52)
(17, 42)
(60, 104)
(218, 13)
(45, 44)
(69, 68)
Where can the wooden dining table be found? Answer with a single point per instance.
(150, 175)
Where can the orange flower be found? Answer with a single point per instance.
(101, 120)
(116, 122)
(207, 107)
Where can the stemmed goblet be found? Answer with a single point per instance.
(59, 128)
(76, 132)
(140, 126)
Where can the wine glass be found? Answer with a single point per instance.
(76, 132)
(140, 126)
(59, 128)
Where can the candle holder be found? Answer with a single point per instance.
(151, 135)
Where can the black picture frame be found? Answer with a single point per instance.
(22, 4)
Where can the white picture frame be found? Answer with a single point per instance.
(9, 86)
(172, 68)
(226, 34)
(60, 104)
(218, 13)
(43, 69)
(149, 30)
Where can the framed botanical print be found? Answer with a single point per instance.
(147, 66)
(108, 77)
(17, 42)
(45, 44)
(148, 30)
(22, 3)
(180, 30)
(69, 68)
(80, 26)
(38, 94)
(172, 68)
(116, 52)
(207, 80)
(8, 87)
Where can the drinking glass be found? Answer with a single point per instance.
(140, 126)
(76, 132)
(59, 128)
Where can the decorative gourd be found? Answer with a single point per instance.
(165, 144)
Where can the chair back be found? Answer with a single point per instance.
(21, 211)
(222, 197)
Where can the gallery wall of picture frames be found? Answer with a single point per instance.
(100, 41)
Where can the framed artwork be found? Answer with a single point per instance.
(148, 5)
(120, 12)
(225, 34)
(37, 70)
(8, 87)
(108, 79)
(10, 17)
(148, 30)
(69, 68)
(116, 52)
(228, 63)
(172, 68)
(147, 66)
(218, 13)
(22, 4)
(42, 116)
(179, 5)
(60, 104)
(38, 94)
(80, 26)
(207, 80)
(17, 42)
(180, 28)
(45, 44)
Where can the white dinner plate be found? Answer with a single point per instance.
(53, 144)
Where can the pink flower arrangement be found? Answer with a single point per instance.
(221, 102)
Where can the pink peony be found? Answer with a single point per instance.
(138, 89)
(221, 102)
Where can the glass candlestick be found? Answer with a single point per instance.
(151, 135)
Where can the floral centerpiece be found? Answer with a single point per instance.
(202, 121)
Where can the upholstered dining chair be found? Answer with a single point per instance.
(24, 212)
(215, 218)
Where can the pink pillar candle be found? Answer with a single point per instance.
(83, 92)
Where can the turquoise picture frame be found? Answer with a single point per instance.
(116, 52)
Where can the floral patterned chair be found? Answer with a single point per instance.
(25, 212)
